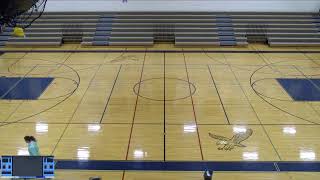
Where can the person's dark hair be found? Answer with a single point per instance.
(30, 138)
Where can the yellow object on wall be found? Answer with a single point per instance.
(18, 32)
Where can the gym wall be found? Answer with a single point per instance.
(185, 5)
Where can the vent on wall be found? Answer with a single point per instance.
(72, 33)
(164, 32)
(257, 33)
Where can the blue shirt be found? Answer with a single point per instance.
(33, 149)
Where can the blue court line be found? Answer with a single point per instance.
(299, 166)
(266, 166)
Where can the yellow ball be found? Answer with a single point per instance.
(18, 32)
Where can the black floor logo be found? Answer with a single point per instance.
(225, 143)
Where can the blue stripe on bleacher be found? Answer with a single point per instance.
(103, 31)
(226, 33)
(104, 24)
(108, 16)
(316, 21)
(224, 24)
(104, 28)
(187, 165)
(225, 30)
(100, 43)
(227, 38)
(105, 20)
(224, 20)
(101, 38)
(228, 43)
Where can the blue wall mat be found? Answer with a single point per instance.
(301, 89)
(7, 83)
(28, 89)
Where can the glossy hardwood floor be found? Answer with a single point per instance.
(162, 106)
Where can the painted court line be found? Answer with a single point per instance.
(157, 51)
(106, 106)
(215, 86)
(164, 107)
(135, 108)
(151, 123)
(193, 108)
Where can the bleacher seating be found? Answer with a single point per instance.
(4, 36)
(182, 29)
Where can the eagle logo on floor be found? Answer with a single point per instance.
(225, 143)
(125, 58)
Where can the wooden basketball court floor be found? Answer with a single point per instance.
(165, 107)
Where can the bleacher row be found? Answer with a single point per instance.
(182, 29)
(4, 36)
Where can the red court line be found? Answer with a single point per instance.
(164, 107)
(135, 108)
(194, 112)
(134, 114)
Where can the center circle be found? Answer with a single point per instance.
(164, 89)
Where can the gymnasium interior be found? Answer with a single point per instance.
(161, 89)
